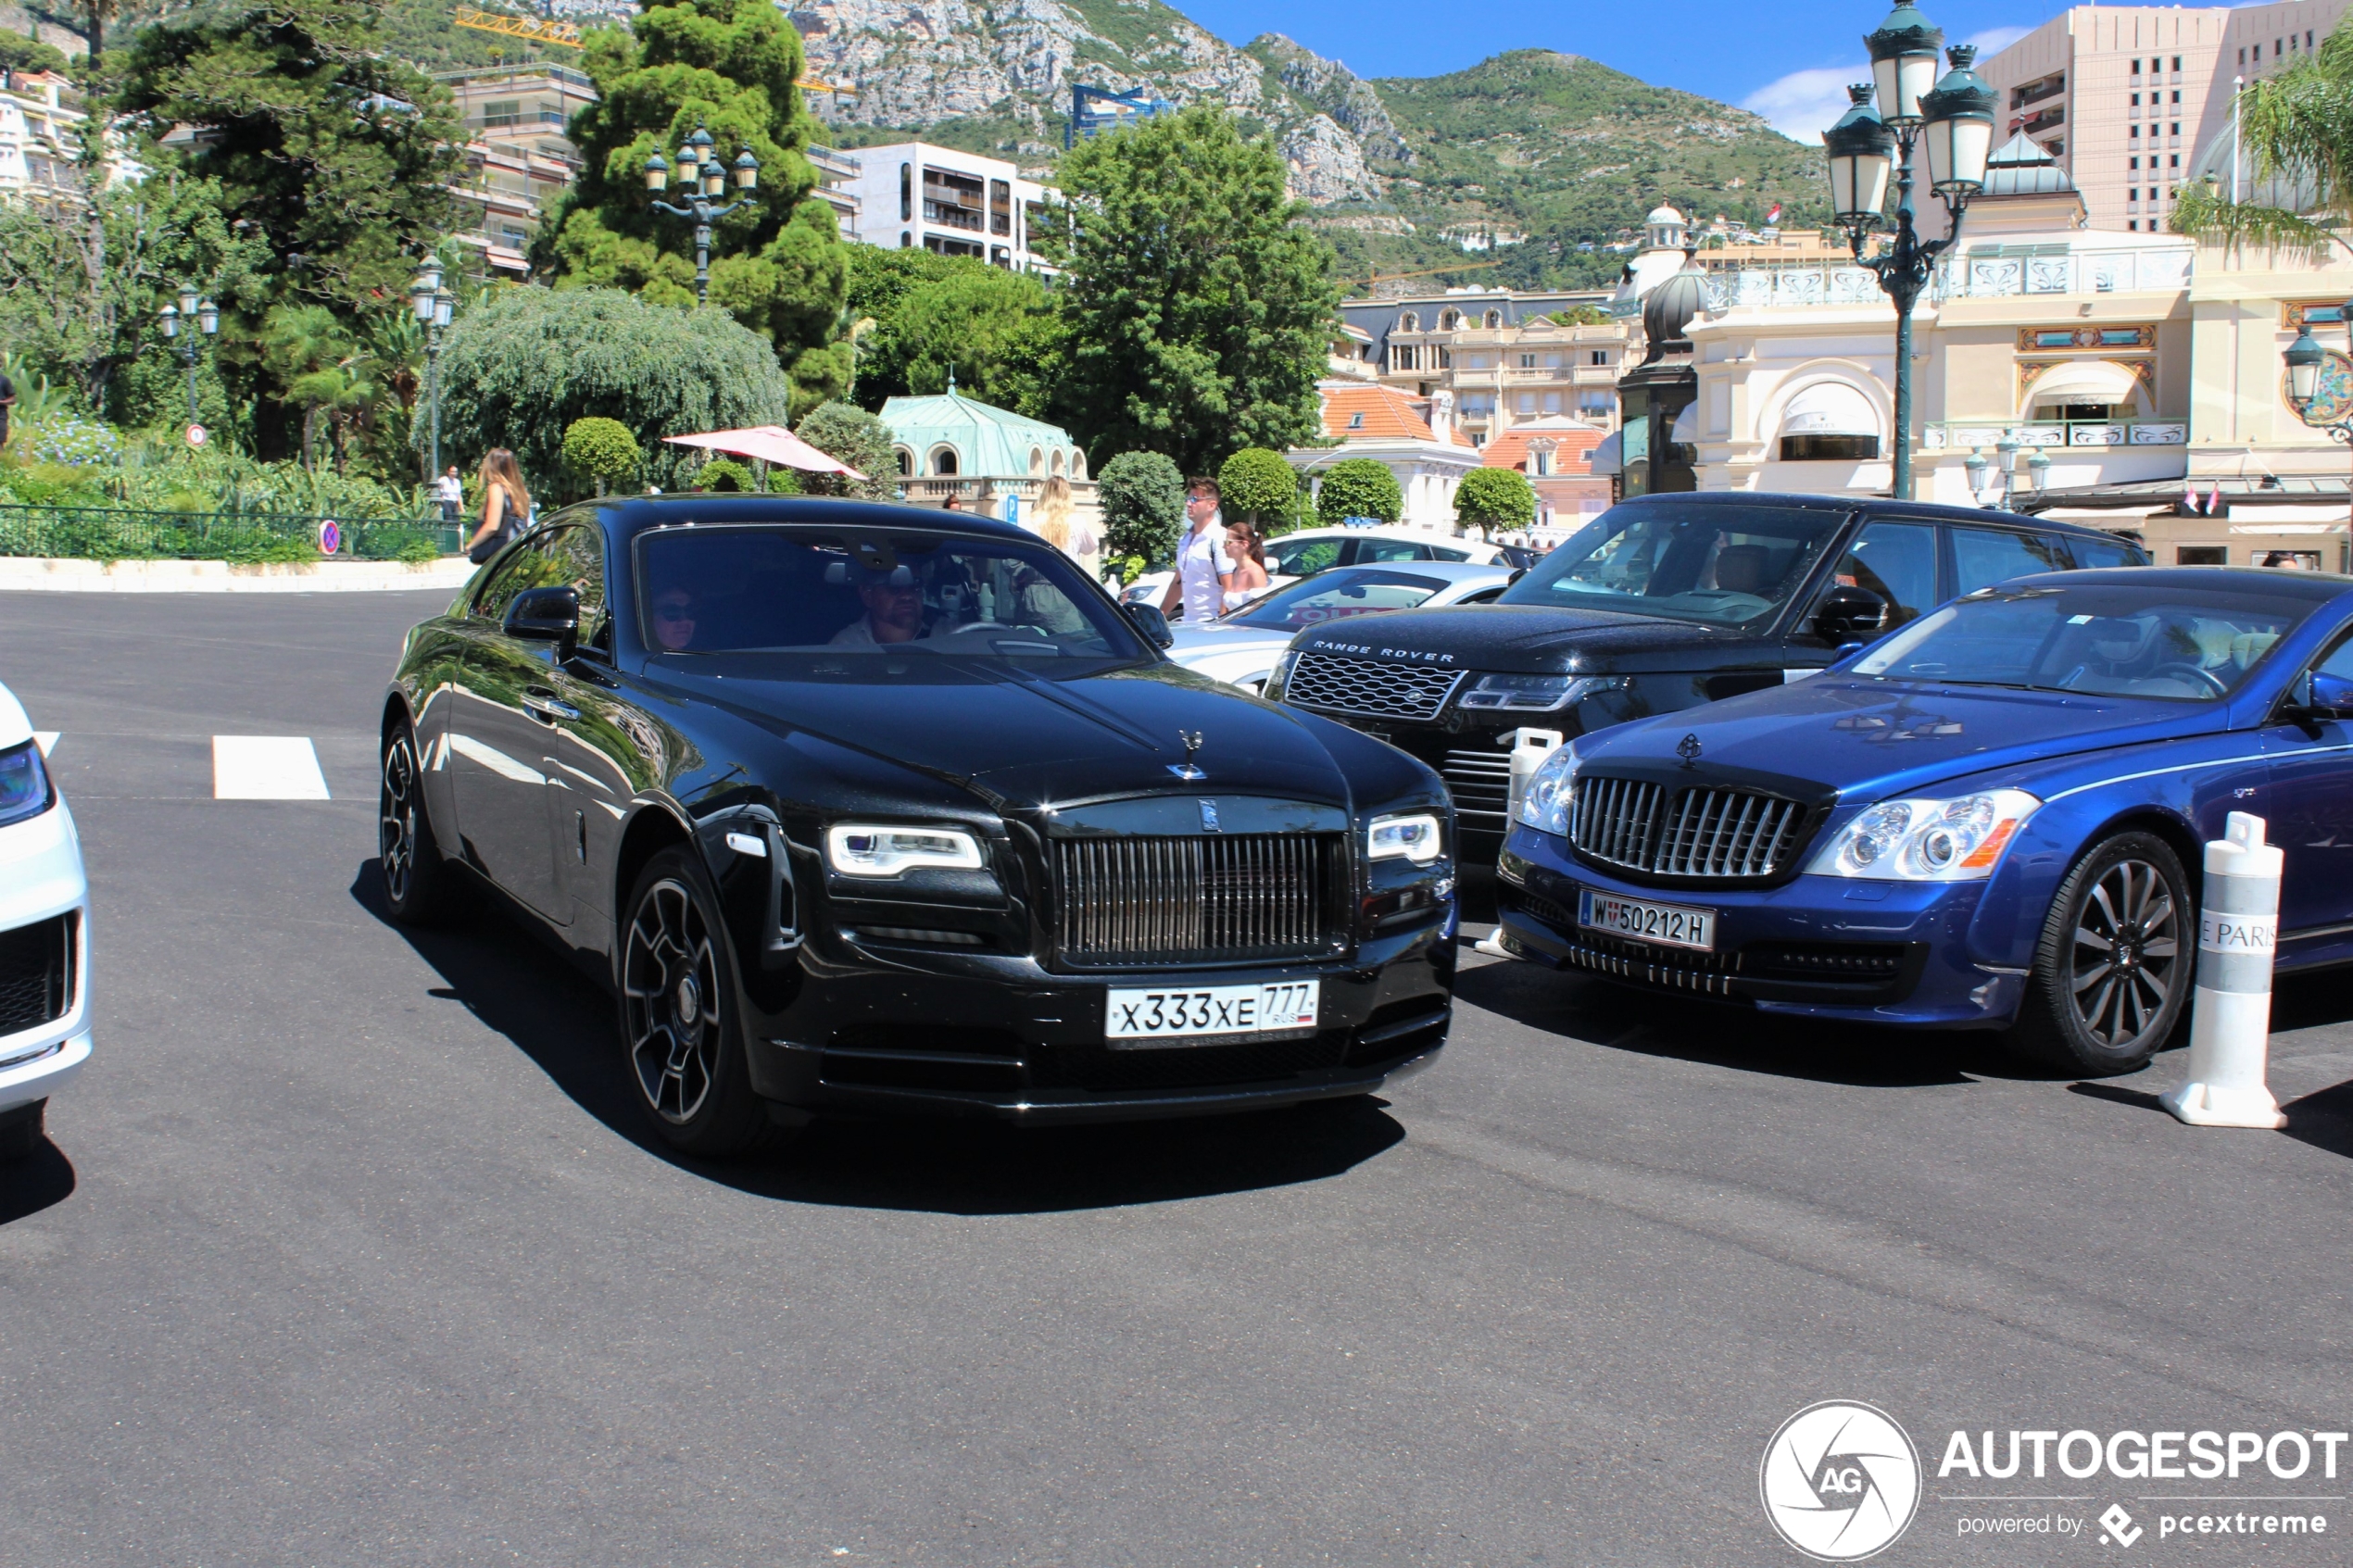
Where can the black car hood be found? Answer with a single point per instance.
(1536, 639)
(1025, 741)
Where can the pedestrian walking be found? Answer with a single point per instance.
(451, 491)
(1248, 579)
(7, 401)
(1203, 569)
(1059, 526)
(506, 504)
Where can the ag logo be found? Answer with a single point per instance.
(1840, 1481)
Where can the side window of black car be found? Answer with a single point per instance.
(576, 556)
(1369, 550)
(1986, 556)
(1895, 560)
(519, 570)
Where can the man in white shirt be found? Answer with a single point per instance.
(451, 492)
(1203, 568)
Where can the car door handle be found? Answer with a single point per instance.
(544, 707)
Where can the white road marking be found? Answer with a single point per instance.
(47, 739)
(266, 767)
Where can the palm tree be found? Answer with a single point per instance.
(2297, 129)
(321, 368)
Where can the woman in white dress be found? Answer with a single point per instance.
(1058, 525)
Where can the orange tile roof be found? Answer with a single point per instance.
(1575, 441)
(1378, 412)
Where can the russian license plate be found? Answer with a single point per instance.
(1139, 1019)
(1669, 925)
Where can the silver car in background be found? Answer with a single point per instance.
(1240, 646)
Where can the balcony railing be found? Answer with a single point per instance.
(1971, 435)
(1979, 274)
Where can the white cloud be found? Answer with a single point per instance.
(1803, 104)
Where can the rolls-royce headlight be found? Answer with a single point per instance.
(1410, 836)
(1545, 804)
(1955, 840)
(881, 850)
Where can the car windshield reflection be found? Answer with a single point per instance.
(776, 589)
(2101, 639)
(1718, 565)
(1334, 596)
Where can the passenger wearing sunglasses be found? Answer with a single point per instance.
(674, 619)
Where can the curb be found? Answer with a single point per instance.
(39, 574)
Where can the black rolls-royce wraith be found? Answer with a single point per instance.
(867, 807)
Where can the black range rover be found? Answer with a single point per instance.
(1663, 603)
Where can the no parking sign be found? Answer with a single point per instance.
(330, 537)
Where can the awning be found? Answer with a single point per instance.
(770, 443)
(1829, 409)
(1606, 457)
(2288, 528)
(2087, 381)
(1686, 430)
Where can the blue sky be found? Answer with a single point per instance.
(1788, 61)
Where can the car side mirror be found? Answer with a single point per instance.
(546, 615)
(1847, 613)
(1517, 572)
(2316, 694)
(1148, 619)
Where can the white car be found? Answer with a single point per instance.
(1240, 646)
(1311, 550)
(44, 946)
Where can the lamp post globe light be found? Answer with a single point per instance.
(1870, 146)
(433, 305)
(702, 180)
(2306, 361)
(202, 317)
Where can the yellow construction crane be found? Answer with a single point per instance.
(564, 34)
(1377, 279)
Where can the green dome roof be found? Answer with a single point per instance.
(987, 442)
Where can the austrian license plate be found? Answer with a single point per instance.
(1669, 925)
(1139, 1019)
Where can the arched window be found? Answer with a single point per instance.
(906, 463)
(906, 193)
(1828, 420)
(943, 461)
(1409, 322)
(1036, 461)
(1494, 318)
(1077, 463)
(1058, 461)
(1450, 322)
(906, 240)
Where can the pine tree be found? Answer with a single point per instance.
(727, 66)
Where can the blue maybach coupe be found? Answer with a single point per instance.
(1988, 818)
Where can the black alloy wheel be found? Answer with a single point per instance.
(2113, 972)
(416, 882)
(678, 1017)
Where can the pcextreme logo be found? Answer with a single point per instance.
(1840, 1481)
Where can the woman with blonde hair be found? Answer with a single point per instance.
(1058, 525)
(506, 504)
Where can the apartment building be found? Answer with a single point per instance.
(955, 202)
(838, 176)
(1503, 358)
(2125, 97)
(520, 156)
(41, 117)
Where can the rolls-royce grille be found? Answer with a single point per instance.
(1685, 831)
(1369, 688)
(37, 974)
(1481, 783)
(1212, 900)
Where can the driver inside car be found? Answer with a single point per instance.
(894, 602)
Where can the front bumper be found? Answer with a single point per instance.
(1027, 1045)
(1822, 947)
(44, 932)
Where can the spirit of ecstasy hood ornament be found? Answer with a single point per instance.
(1185, 769)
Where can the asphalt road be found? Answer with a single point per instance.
(349, 1248)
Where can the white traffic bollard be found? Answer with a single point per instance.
(1530, 747)
(2231, 1021)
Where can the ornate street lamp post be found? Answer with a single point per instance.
(433, 305)
(1866, 145)
(704, 182)
(203, 318)
(2305, 359)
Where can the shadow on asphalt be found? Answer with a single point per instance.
(1585, 1006)
(518, 985)
(27, 1187)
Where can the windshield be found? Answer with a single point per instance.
(2181, 645)
(1336, 595)
(1727, 565)
(781, 589)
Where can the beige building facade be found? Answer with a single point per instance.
(1502, 359)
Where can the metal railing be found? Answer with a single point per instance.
(1956, 434)
(120, 534)
(1990, 273)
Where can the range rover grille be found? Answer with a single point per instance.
(1687, 831)
(1369, 688)
(1212, 900)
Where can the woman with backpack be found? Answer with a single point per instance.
(505, 505)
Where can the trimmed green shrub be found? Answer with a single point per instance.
(1359, 487)
(1257, 484)
(1142, 494)
(726, 474)
(602, 450)
(1496, 498)
(848, 433)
